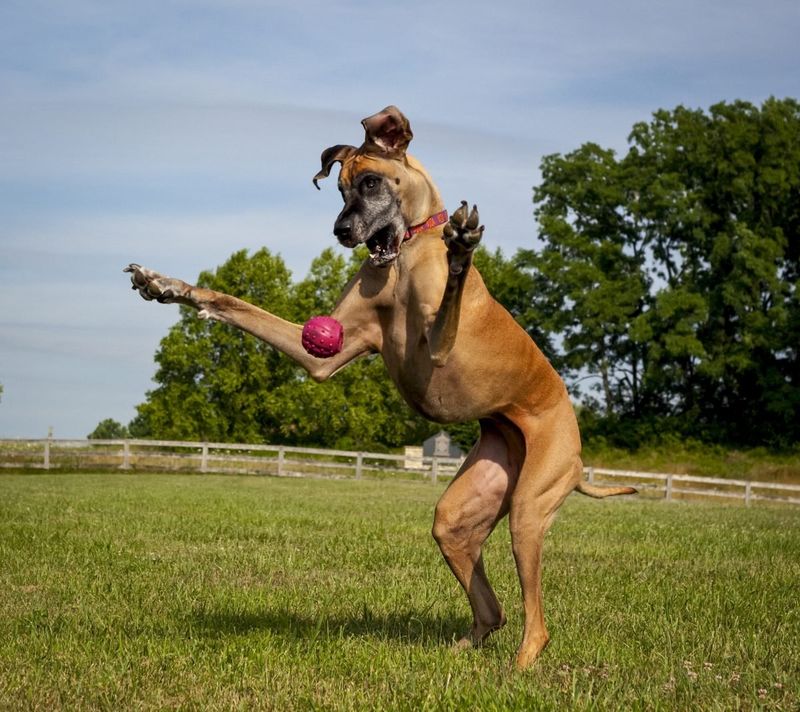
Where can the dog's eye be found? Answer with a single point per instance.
(370, 182)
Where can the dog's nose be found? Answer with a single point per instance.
(342, 231)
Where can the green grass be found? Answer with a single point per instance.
(213, 592)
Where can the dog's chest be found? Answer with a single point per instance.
(438, 393)
(442, 397)
(443, 393)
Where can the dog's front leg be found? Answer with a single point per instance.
(461, 235)
(279, 333)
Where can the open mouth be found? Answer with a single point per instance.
(383, 246)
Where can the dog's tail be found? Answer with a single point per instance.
(600, 492)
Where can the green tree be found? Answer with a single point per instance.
(591, 281)
(109, 429)
(672, 272)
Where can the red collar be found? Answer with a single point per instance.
(431, 222)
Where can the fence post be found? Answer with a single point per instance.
(748, 493)
(281, 456)
(591, 475)
(359, 464)
(668, 489)
(47, 452)
(434, 469)
(204, 458)
(126, 454)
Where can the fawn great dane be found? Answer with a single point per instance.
(454, 353)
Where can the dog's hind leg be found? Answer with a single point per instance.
(550, 472)
(467, 513)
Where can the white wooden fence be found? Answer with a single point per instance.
(285, 461)
(232, 458)
(672, 487)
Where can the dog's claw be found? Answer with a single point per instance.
(460, 215)
(473, 219)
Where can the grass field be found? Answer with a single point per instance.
(213, 592)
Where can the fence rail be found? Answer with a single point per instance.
(673, 487)
(232, 458)
(286, 461)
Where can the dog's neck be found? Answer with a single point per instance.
(433, 221)
(428, 201)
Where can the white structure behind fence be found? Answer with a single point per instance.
(285, 461)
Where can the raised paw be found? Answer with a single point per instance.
(152, 285)
(462, 235)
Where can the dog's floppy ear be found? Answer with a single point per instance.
(334, 154)
(388, 133)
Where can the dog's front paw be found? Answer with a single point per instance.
(462, 235)
(152, 285)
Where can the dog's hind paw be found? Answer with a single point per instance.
(462, 235)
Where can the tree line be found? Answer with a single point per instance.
(663, 286)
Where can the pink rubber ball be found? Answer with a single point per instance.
(323, 336)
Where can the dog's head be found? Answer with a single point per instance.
(385, 190)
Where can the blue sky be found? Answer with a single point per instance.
(172, 133)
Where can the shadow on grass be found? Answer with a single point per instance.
(413, 627)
